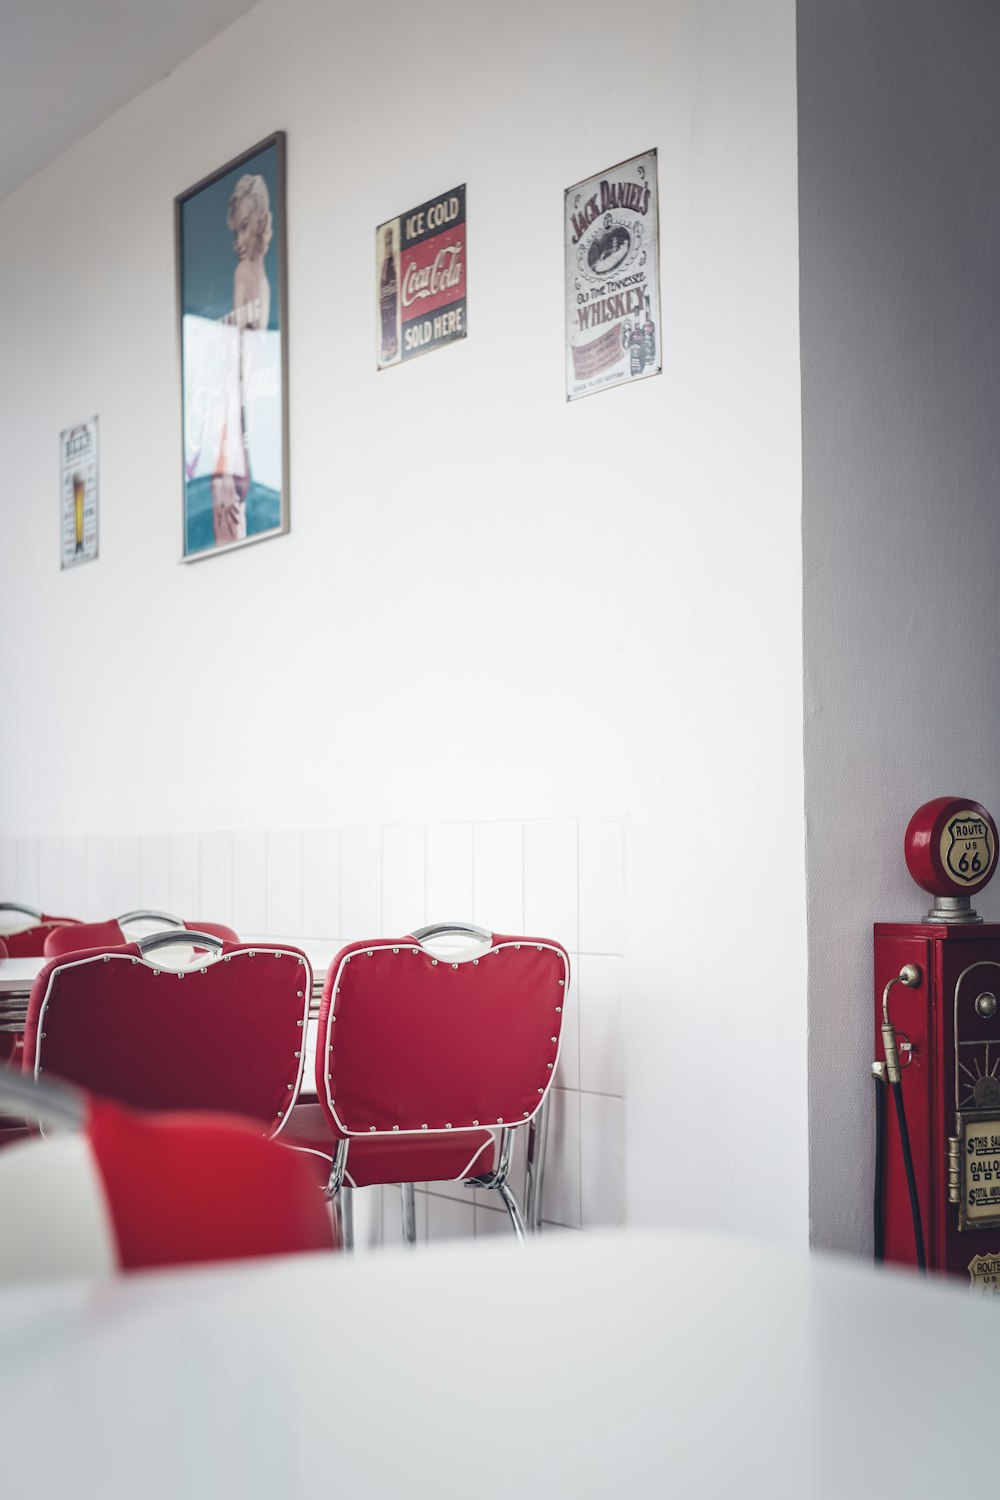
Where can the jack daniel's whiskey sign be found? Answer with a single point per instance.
(421, 262)
(612, 278)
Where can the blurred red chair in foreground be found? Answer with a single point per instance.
(226, 1034)
(125, 1191)
(29, 941)
(422, 1060)
(112, 934)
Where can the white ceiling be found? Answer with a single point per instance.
(66, 65)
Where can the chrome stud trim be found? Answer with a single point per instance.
(226, 957)
(548, 1065)
(499, 1119)
(558, 1009)
(525, 1114)
(395, 1127)
(107, 957)
(454, 966)
(433, 963)
(541, 1091)
(369, 953)
(539, 947)
(395, 950)
(372, 1129)
(447, 1127)
(475, 1122)
(298, 993)
(298, 1054)
(253, 952)
(560, 981)
(552, 1038)
(156, 971)
(281, 1114)
(475, 962)
(300, 1023)
(423, 1127)
(202, 971)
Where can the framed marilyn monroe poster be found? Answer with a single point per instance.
(232, 307)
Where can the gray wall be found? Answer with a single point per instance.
(899, 195)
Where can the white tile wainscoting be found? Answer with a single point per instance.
(560, 878)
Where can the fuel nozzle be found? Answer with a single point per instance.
(909, 975)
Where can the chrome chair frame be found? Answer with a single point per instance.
(18, 906)
(50, 1102)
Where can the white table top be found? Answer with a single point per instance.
(17, 974)
(614, 1365)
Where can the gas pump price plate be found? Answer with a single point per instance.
(979, 1207)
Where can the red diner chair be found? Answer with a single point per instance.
(81, 936)
(111, 934)
(226, 1033)
(143, 917)
(115, 1190)
(427, 1065)
(29, 941)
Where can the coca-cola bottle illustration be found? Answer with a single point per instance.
(388, 294)
(636, 360)
(649, 335)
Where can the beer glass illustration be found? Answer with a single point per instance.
(79, 490)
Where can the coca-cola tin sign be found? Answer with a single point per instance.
(420, 261)
(613, 327)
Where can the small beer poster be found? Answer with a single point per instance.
(420, 261)
(612, 278)
(78, 463)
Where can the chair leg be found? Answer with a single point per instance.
(345, 1198)
(513, 1208)
(538, 1133)
(409, 1213)
(336, 1214)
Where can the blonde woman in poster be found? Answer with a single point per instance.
(249, 219)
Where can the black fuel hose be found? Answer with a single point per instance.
(878, 1205)
(911, 1181)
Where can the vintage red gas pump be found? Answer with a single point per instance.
(937, 1029)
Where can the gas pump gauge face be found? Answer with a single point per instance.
(977, 1038)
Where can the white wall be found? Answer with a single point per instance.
(492, 604)
(900, 206)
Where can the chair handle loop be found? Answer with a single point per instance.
(149, 916)
(174, 934)
(461, 929)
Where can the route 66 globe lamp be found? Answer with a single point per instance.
(937, 1031)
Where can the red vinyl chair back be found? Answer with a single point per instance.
(412, 1043)
(82, 935)
(214, 929)
(3, 948)
(30, 941)
(226, 1035)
